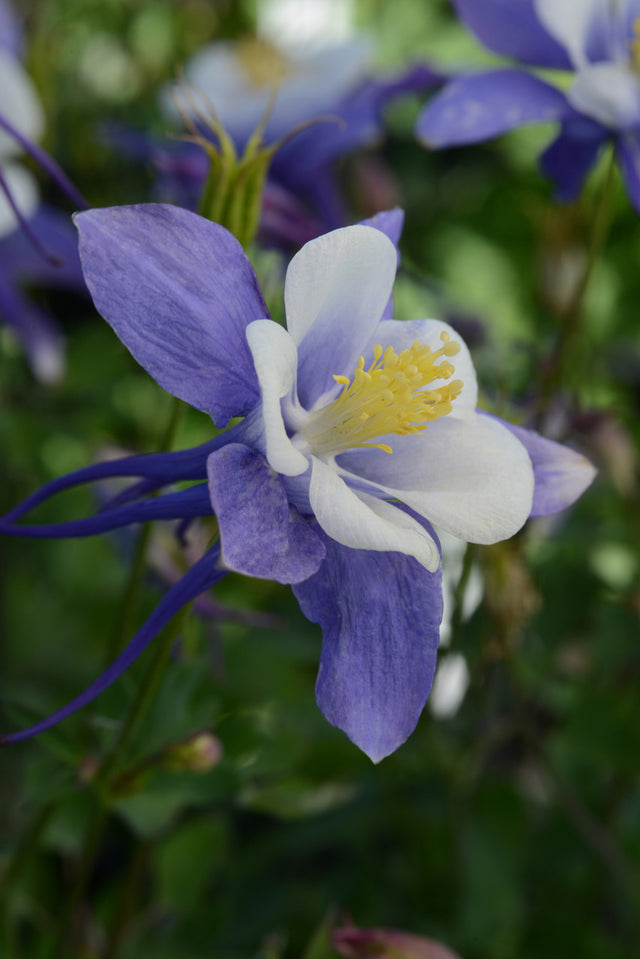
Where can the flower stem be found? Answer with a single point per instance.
(13, 872)
(128, 897)
(599, 229)
(146, 694)
(95, 833)
(561, 363)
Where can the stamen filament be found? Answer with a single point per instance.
(388, 397)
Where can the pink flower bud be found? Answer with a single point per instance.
(357, 943)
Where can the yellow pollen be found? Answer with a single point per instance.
(634, 45)
(263, 64)
(391, 396)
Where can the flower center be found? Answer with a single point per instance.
(389, 397)
(263, 64)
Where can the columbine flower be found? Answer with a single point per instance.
(251, 80)
(598, 39)
(357, 433)
(27, 229)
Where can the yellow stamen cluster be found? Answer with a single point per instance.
(634, 45)
(263, 64)
(388, 397)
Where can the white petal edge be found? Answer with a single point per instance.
(569, 22)
(342, 282)
(275, 358)
(360, 521)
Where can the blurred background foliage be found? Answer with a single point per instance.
(508, 826)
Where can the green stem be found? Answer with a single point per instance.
(128, 898)
(599, 229)
(573, 312)
(593, 832)
(146, 693)
(14, 870)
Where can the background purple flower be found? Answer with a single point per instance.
(334, 85)
(37, 243)
(595, 39)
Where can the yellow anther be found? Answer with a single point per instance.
(391, 396)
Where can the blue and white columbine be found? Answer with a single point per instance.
(357, 433)
(599, 40)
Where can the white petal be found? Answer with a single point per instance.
(275, 359)
(361, 521)
(467, 476)
(19, 103)
(608, 92)
(336, 290)
(343, 278)
(24, 190)
(401, 335)
(570, 22)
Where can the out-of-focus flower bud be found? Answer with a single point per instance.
(510, 594)
(562, 258)
(199, 753)
(87, 769)
(612, 447)
(387, 944)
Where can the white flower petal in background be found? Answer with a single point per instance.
(608, 92)
(19, 104)
(48, 363)
(453, 552)
(305, 22)
(449, 686)
(570, 22)
(24, 190)
(239, 78)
